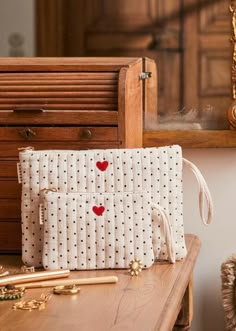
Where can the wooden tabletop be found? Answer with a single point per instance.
(150, 301)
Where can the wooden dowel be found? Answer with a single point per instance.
(75, 281)
(33, 277)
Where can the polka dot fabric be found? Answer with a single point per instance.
(96, 230)
(157, 170)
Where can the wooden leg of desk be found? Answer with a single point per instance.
(185, 316)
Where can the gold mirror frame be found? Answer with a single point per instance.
(232, 108)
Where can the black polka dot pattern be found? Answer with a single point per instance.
(108, 236)
(158, 170)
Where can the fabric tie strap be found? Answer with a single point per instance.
(166, 230)
(205, 200)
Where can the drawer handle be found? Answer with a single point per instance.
(27, 134)
(86, 134)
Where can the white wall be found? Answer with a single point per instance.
(17, 16)
(219, 239)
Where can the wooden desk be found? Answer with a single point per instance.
(151, 301)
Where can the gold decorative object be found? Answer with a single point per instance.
(34, 304)
(70, 289)
(73, 281)
(26, 269)
(3, 272)
(11, 293)
(232, 9)
(231, 110)
(135, 267)
(33, 277)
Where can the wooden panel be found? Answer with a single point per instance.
(150, 88)
(141, 28)
(10, 189)
(49, 27)
(185, 316)
(52, 91)
(10, 236)
(131, 98)
(215, 73)
(190, 138)
(8, 169)
(207, 65)
(121, 14)
(10, 209)
(110, 42)
(63, 117)
(215, 18)
(65, 64)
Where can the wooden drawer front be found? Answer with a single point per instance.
(10, 189)
(10, 237)
(13, 138)
(8, 170)
(76, 134)
(10, 209)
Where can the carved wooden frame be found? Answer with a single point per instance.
(232, 108)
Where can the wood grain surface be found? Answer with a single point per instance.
(151, 301)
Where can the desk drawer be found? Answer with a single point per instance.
(13, 138)
(37, 134)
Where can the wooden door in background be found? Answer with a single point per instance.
(188, 39)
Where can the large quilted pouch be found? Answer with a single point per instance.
(96, 230)
(157, 170)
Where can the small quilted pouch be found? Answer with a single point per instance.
(96, 230)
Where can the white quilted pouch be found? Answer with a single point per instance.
(157, 170)
(96, 230)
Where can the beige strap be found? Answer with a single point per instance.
(166, 229)
(205, 200)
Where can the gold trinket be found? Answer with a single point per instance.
(27, 270)
(69, 289)
(3, 272)
(11, 293)
(34, 304)
(135, 267)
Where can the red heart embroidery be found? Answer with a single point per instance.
(102, 165)
(98, 210)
